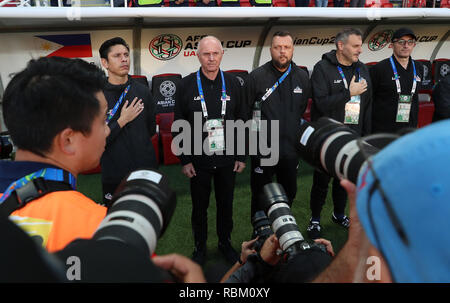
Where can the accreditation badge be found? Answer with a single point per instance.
(404, 108)
(256, 120)
(352, 109)
(216, 135)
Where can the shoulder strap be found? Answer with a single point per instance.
(33, 190)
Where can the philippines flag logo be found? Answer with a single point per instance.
(67, 45)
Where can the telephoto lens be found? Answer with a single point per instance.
(141, 211)
(332, 148)
(275, 203)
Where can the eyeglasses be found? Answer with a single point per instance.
(403, 42)
(362, 144)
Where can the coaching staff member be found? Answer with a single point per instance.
(396, 84)
(342, 91)
(210, 97)
(278, 90)
(131, 118)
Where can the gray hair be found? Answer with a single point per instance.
(345, 33)
(209, 37)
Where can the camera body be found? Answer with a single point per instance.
(262, 229)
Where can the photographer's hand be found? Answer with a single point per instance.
(269, 250)
(327, 244)
(247, 249)
(183, 268)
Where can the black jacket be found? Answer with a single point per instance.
(188, 102)
(286, 104)
(330, 94)
(130, 147)
(441, 99)
(385, 96)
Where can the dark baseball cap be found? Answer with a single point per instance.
(404, 31)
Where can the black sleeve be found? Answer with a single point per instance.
(181, 113)
(323, 100)
(239, 114)
(367, 119)
(306, 84)
(249, 96)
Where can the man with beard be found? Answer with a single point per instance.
(277, 92)
(341, 91)
(131, 119)
(396, 85)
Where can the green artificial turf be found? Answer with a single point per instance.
(178, 236)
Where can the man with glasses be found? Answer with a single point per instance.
(396, 85)
(399, 210)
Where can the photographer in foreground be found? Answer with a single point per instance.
(279, 253)
(55, 112)
(265, 266)
(399, 214)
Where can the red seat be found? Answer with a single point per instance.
(426, 111)
(165, 133)
(245, 3)
(280, 3)
(141, 79)
(305, 68)
(445, 3)
(155, 142)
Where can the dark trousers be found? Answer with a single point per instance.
(286, 173)
(339, 3)
(319, 193)
(224, 178)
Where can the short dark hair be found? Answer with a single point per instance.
(106, 46)
(49, 95)
(282, 34)
(345, 33)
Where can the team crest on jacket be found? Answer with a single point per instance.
(298, 90)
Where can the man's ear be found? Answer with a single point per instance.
(66, 141)
(104, 62)
(340, 45)
(391, 45)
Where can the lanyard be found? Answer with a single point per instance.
(396, 77)
(274, 87)
(116, 106)
(202, 96)
(51, 174)
(341, 72)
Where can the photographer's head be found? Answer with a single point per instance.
(55, 111)
(404, 208)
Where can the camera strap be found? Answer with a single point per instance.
(34, 186)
